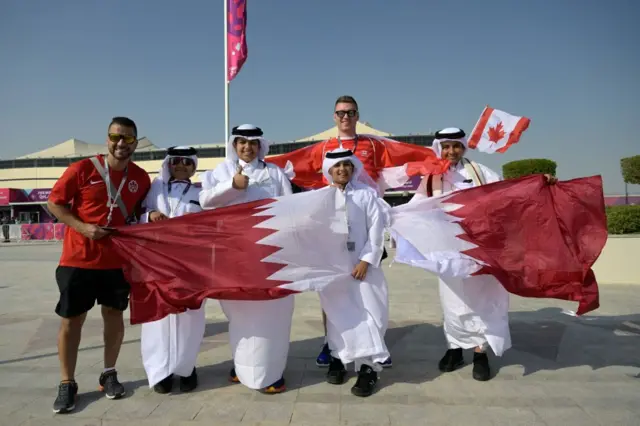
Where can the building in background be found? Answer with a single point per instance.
(25, 182)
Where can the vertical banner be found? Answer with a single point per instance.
(236, 37)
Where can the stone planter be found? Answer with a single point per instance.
(619, 262)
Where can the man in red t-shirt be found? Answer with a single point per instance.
(92, 196)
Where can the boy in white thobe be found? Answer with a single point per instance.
(259, 331)
(171, 345)
(357, 310)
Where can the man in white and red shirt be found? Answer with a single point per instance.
(92, 196)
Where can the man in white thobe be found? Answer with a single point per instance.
(259, 331)
(357, 310)
(171, 345)
(475, 309)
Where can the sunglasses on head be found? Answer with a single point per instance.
(350, 113)
(174, 161)
(116, 137)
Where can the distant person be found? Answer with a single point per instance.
(5, 227)
(105, 191)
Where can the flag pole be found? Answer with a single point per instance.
(226, 81)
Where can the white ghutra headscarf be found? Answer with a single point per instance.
(176, 152)
(359, 179)
(249, 132)
(451, 134)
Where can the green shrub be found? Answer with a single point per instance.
(623, 219)
(532, 166)
(631, 169)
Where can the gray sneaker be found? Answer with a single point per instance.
(66, 400)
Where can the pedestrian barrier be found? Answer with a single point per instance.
(33, 232)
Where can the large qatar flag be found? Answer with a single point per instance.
(538, 240)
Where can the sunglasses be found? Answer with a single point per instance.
(350, 113)
(178, 160)
(117, 137)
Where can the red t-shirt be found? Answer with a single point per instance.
(82, 186)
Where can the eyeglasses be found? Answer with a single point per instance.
(116, 137)
(174, 161)
(350, 113)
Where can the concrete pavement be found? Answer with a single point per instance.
(562, 370)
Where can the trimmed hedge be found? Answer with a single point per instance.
(532, 166)
(623, 219)
(631, 169)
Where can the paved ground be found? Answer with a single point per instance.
(562, 370)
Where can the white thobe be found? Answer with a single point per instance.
(476, 309)
(358, 311)
(259, 331)
(171, 345)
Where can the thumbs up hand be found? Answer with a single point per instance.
(240, 181)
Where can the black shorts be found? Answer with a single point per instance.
(81, 288)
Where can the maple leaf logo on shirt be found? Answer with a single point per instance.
(496, 133)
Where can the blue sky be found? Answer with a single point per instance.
(571, 66)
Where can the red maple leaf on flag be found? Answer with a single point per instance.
(496, 133)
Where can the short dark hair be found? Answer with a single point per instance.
(346, 99)
(125, 122)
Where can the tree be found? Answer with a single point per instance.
(630, 173)
(631, 169)
(531, 166)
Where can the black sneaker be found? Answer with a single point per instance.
(452, 360)
(66, 399)
(481, 371)
(165, 385)
(337, 372)
(366, 383)
(187, 384)
(109, 384)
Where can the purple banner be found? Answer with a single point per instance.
(13, 195)
(411, 185)
(42, 231)
(621, 200)
(236, 37)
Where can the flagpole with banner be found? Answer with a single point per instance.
(235, 48)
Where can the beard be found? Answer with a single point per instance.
(120, 153)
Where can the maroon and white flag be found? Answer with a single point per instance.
(538, 240)
(254, 251)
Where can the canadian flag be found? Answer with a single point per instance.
(538, 240)
(497, 130)
(388, 163)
